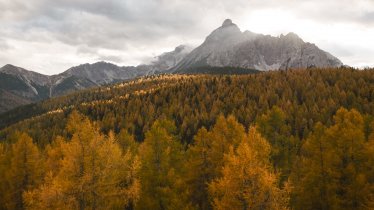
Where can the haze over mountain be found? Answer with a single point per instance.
(226, 46)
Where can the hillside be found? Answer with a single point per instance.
(19, 86)
(181, 97)
(175, 140)
(97, 93)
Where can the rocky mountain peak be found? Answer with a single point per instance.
(228, 46)
(8, 68)
(228, 31)
(180, 48)
(227, 22)
(24, 74)
(292, 37)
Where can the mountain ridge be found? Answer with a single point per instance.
(33, 86)
(226, 46)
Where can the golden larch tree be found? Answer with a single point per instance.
(247, 180)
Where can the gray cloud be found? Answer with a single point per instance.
(368, 18)
(139, 29)
(4, 45)
(333, 11)
(110, 58)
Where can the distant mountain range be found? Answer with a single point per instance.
(226, 46)
(19, 86)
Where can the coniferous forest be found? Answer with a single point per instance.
(296, 139)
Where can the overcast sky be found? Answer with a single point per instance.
(49, 36)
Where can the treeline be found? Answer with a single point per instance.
(218, 70)
(305, 96)
(226, 167)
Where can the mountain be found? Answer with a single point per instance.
(25, 75)
(19, 86)
(228, 46)
(239, 52)
(166, 61)
(100, 73)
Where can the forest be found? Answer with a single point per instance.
(296, 139)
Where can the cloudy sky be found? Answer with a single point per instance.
(49, 36)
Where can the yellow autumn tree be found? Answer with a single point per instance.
(247, 180)
(333, 170)
(348, 142)
(225, 133)
(314, 186)
(127, 142)
(93, 173)
(163, 186)
(53, 153)
(3, 168)
(24, 171)
(200, 168)
(369, 152)
(206, 156)
(274, 128)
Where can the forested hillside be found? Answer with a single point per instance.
(298, 139)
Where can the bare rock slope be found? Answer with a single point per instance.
(228, 46)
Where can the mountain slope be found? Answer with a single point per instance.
(228, 46)
(135, 104)
(24, 83)
(19, 86)
(166, 61)
(25, 75)
(282, 115)
(100, 73)
(9, 100)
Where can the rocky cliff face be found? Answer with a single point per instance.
(228, 46)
